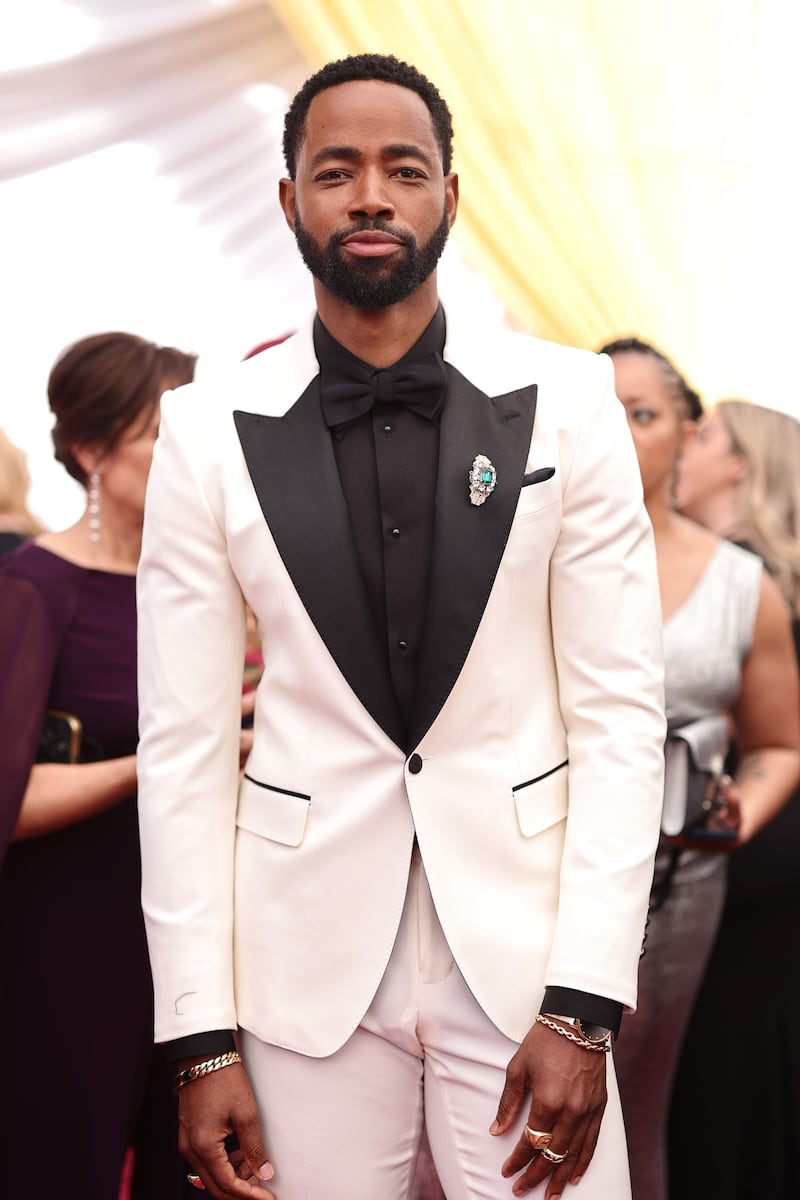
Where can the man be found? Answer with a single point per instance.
(425, 899)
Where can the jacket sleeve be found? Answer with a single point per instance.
(607, 634)
(190, 660)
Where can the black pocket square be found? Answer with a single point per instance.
(538, 476)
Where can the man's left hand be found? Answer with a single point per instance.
(567, 1086)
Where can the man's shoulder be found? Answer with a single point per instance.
(505, 360)
(269, 383)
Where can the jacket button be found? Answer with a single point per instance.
(415, 764)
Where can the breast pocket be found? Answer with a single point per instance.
(540, 491)
(272, 812)
(542, 802)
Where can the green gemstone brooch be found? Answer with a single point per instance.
(482, 479)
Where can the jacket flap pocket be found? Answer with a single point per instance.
(542, 802)
(272, 812)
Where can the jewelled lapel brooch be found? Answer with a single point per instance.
(482, 479)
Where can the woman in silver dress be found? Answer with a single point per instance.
(728, 649)
(740, 479)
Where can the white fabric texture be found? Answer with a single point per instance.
(348, 1127)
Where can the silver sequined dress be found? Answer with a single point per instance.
(705, 643)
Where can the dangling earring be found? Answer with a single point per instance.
(94, 506)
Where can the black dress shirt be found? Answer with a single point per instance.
(388, 462)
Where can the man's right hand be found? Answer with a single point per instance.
(211, 1108)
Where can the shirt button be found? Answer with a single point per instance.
(415, 764)
(387, 429)
(395, 533)
(402, 645)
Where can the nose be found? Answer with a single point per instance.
(370, 197)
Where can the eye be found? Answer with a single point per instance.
(409, 173)
(332, 175)
(641, 416)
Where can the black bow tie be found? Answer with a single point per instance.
(353, 389)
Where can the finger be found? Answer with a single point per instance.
(542, 1118)
(541, 1166)
(240, 1165)
(217, 1177)
(561, 1177)
(585, 1153)
(511, 1099)
(568, 1136)
(226, 1176)
(251, 1144)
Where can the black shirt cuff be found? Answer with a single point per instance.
(597, 1010)
(209, 1045)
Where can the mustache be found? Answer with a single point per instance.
(376, 226)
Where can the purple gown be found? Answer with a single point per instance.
(80, 1080)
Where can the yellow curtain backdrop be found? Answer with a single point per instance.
(607, 151)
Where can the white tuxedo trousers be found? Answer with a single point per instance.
(348, 1127)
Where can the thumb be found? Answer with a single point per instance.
(251, 1144)
(510, 1103)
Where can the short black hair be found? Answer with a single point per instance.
(686, 395)
(383, 67)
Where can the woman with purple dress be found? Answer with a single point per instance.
(80, 1079)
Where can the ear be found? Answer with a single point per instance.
(738, 468)
(287, 193)
(451, 196)
(87, 457)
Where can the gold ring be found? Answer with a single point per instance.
(539, 1139)
(197, 1182)
(552, 1156)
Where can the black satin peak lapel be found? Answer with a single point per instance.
(292, 465)
(469, 540)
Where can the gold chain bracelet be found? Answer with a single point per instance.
(205, 1068)
(601, 1048)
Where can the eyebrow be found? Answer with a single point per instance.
(351, 154)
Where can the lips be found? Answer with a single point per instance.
(372, 243)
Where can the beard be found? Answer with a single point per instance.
(371, 282)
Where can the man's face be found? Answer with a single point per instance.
(370, 206)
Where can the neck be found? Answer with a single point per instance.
(719, 513)
(660, 511)
(378, 336)
(120, 543)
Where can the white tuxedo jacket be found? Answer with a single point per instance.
(532, 773)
